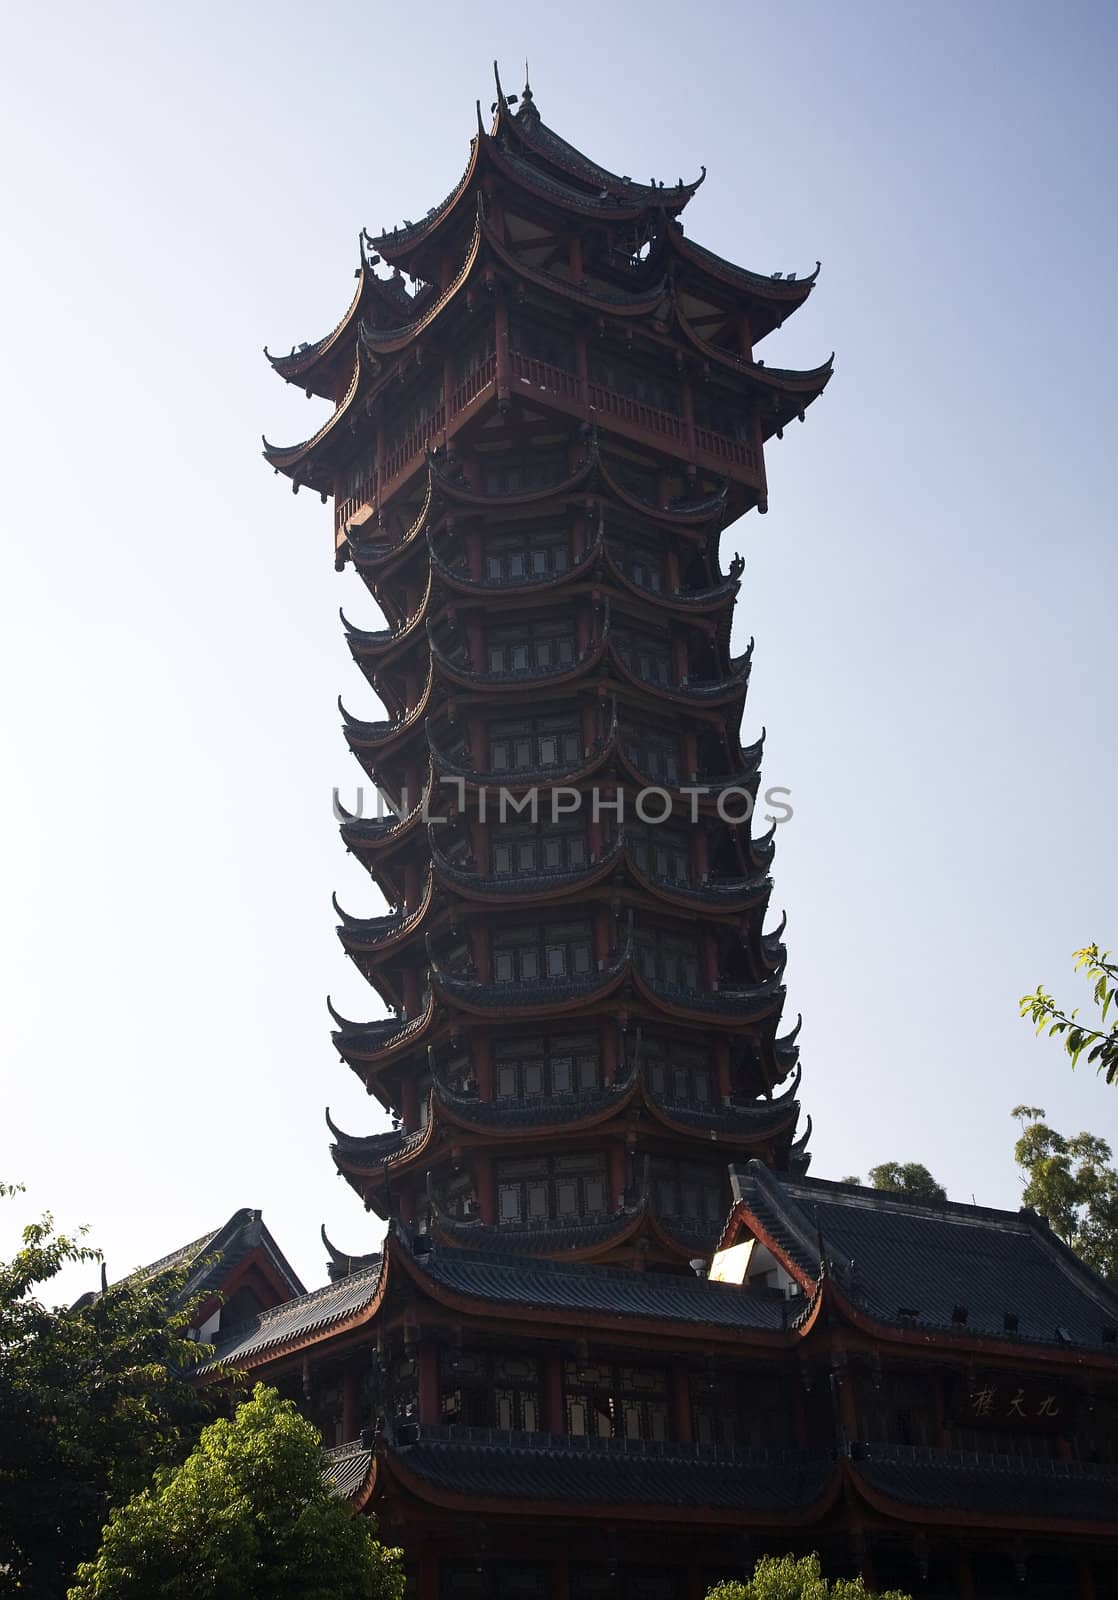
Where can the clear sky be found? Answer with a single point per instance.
(932, 593)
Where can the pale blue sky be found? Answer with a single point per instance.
(932, 593)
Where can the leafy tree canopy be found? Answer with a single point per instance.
(789, 1578)
(904, 1177)
(246, 1517)
(1099, 1042)
(92, 1398)
(1071, 1182)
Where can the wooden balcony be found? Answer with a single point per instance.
(564, 391)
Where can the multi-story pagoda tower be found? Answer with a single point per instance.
(547, 410)
(545, 417)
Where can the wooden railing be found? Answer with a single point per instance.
(724, 449)
(634, 411)
(527, 371)
(542, 375)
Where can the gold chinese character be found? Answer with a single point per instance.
(1048, 1407)
(1016, 1408)
(982, 1401)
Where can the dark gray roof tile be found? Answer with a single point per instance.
(547, 1467)
(888, 1251)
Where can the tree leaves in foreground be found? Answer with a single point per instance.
(1099, 1043)
(1072, 1183)
(909, 1178)
(246, 1517)
(789, 1578)
(93, 1398)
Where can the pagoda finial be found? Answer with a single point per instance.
(526, 97)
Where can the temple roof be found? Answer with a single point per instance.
(1013, 1489)
(314, 1313)
(346, 1468)
(210, 1261)
(921, 1265)
(683, 1479)
(560, 1286)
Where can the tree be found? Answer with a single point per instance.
(1071, 1182)
(247, 1516)
(789, 1578)
(1100, 1043)
(904, 1177)
(92, 1398)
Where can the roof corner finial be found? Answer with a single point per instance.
(527, 94)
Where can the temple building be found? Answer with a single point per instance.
(615, 1341)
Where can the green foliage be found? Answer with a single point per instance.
(904, 1177)
(792, 1578)
(907, 1177)
(246, 1517)
(92, 1399)
(1099, 1043)
(1072, 1183)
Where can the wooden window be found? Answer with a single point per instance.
(625, 1402)
(552, 1188)
(547, 1066)
(535, 742)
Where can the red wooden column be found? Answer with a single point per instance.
(480, 950)
(501, 341)
(966, 1578)
(482, 1058)
(409, 1103)
(1087, 1590)
(725, 1074)
(554, 1410)
(449, 387)
(427, 1364)
(474, 557)
(681, 1405)
(617, 1176)
(427, 1576)
(601, 935)
(700, 853)
(349, 1405)
(582, 367)
(710, 960)
(485, 1178)
(607, 1049)
(688, 422)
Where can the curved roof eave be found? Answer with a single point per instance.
(531, 133)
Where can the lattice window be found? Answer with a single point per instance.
(551, 1188)
(554, 954)
(547, 1067)
(535, 742)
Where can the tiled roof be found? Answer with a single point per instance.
(554, 1285)
(889, 1252)
(210, 1259)
(311, 1313)
(541, 1112)
(478, 1461)
(548, 1237)
(1017, 1486)
(346, 1467)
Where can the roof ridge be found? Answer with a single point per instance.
(892, 1199)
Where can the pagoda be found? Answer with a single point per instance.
(547, 410)
(616, 1342)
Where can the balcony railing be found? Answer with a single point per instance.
(585, 398)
